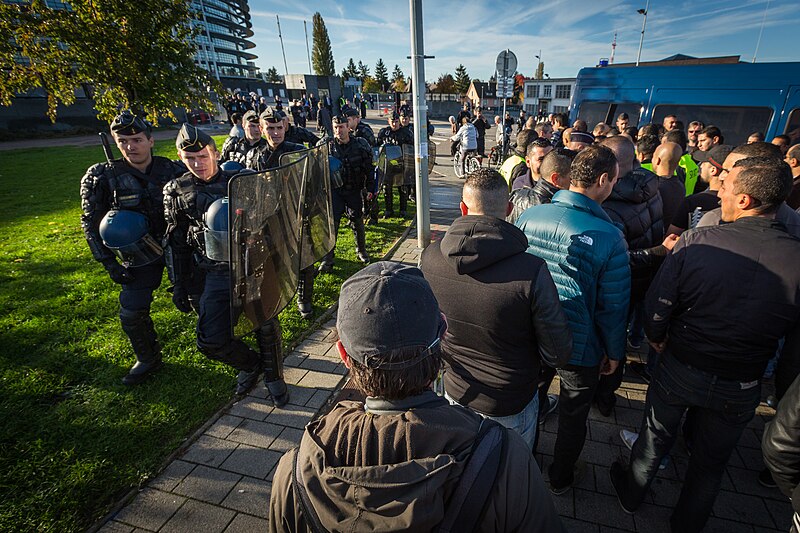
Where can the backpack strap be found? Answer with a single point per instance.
(301, 494)
(466, 506)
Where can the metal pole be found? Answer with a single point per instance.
(505, 84)
(758, 42)
(641, 38)
(420, 126)
(285, 66)
(305, 29)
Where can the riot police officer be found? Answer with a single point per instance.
(269, 154)
(395, 134)
(123, 219)
(364, 131)
(195, 207)
(298, 134)
(235, 148)
(267, 157)
(355, 156)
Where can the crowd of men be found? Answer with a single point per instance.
(608, 238)
(579, 248)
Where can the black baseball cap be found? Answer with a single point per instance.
(715, 156)
(385, 307)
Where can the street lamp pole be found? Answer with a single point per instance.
(644, 23)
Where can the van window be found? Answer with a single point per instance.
(594, 112)
(736, 123)
(793, 126)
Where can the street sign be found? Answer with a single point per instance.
(505, 87)
(506, 64)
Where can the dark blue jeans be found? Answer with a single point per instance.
(722, 409)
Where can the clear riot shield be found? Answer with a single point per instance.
(409, 163)
(265, 226)
(390, 162)
(318, 231)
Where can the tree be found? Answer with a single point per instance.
(137, 56)
(446, 84)
(381, 74)
(363, 71)
(519, 85)
(322, 55)
(398, 80)
(272, 76)
(462, 80)
(350, 71)
(370, 85)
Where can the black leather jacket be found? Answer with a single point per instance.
(781, 446)
(541, 193)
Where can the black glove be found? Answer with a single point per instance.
(180, 297)
(118, 273)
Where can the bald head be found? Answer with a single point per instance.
(624, 150)
(485, 193)
(666, 158)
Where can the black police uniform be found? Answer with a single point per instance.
(399, 137)
(364, 131)
(298, 135)
(186, 200)
(236, 149)
(357, 172)
(265, 157)
(116, 185)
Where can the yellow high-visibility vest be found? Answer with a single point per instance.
(690, 168)
(508, 166)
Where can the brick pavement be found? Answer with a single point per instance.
(222, 482)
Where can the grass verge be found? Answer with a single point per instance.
(72, 437)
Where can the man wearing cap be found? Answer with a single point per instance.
(357, 172)
(403, 459)
(493, 354)
(133, 183)
(268, 155)
(190, 204)
(693, 207)
(235, 148)
(358, 128)
(578, 140)
(394, 134)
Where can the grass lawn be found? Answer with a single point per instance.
(73, 439)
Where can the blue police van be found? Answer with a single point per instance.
(738, 98)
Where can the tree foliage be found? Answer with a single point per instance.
(350, 71)
(462, 80)
(322, 55)
(363, 71)
(370, 85)
(446, 84)
(137, 56)
(397, 74)
(381, 75)
(272, 76)
(519, 85)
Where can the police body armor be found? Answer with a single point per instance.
(356, 159)
(236, 149)
(116, 186)
(127, 234)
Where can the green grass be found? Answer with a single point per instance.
(73, 439)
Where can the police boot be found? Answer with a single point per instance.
(361, 240)
(138, 326)
(327, 263)
(305, 292)
(246, 380)
(269, 345)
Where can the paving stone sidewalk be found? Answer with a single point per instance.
(222, 483)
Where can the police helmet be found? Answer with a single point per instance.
(127, 235)
(215, 220)
(335, 165)
(231, 166)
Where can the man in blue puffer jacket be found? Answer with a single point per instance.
(588, 259)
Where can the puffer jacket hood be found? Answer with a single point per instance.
(475, 242)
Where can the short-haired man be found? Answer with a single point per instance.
(297, 134)
(692, 132)
(712, 359)
(350, 472)
(534, 155)
(783, 142)
(587, 257)
(693, 207)
(130, 187)
(397, 135)
(709, 137)
(553, 170)
(481, 125)
(236, 148)
(268, 154)
(670, 123)
(755, 137)
(580, 125)
(191, 203)
(793, 160)
(516, 167)
(544, 130)
(578, 140)
(493, 355)
(672, 191)
(622, 122)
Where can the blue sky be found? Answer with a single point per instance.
(570, 34)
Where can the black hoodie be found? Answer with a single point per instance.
(503, 314)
